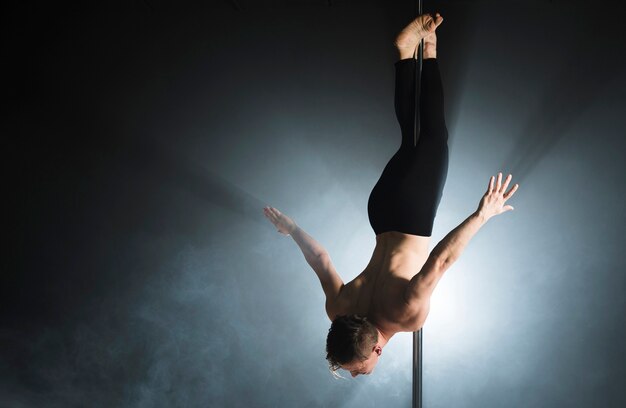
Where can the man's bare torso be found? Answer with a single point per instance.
(378, 292)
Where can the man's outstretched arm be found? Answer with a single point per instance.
(449, 249)
(314, 253)
(319, 259)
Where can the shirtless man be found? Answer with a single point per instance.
(393, 293)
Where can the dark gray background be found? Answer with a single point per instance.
(142, 139)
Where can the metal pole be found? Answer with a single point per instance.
(417, 336)
(417, 369)
(419, 56)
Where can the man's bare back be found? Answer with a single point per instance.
(379, 292)
(394, 290)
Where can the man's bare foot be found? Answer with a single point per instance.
(430, 46)
(411, 35)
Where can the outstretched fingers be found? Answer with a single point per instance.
(493, 202)
(506, 183)
(510, 193)
(269, 213)
(497, 186)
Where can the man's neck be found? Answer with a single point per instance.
(383, 338)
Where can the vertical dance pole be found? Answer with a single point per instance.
(417, 336)
(418, 55)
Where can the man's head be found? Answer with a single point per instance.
(352, 344)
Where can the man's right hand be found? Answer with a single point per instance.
(284, 224)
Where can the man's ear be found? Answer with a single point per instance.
(378, 350)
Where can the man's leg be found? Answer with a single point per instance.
(404, 101)
(406, 43)
(432, 118)
(389, 208)
(429, 167)
(383, 200)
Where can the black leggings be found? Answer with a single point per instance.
(407, 195)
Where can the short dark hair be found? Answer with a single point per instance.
(349, 337)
